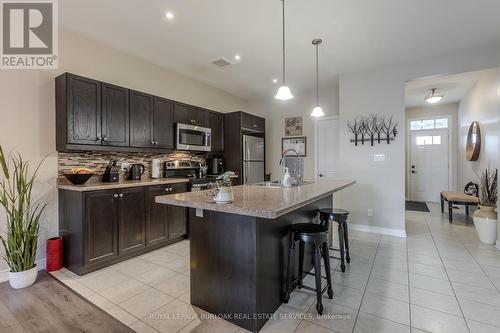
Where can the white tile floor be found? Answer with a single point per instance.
(439, 279)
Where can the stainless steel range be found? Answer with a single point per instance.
(191, 170)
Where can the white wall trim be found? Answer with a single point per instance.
(378, 230)
(4, 274)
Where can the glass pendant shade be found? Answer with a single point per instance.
(433, 96)
(284, 93)
(317, 112)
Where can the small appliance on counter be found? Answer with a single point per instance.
(216, 166)
(135, 171)
(112, 172)
(156, 168)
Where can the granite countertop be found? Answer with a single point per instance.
(259, 201)
(95, 184)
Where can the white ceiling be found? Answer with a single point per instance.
(454, 87)
(357, 34)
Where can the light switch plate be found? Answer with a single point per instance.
(378, 157)
(199, 212)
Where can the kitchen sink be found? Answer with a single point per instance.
(278, 183)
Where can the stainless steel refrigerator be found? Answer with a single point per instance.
(253, 159)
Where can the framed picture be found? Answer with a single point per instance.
(293, 126)
(298, 144)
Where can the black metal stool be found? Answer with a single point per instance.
(317, 236)
(340, 216)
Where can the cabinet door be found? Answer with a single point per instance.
(100, 227)
(246, 120)
(115, 115)
(157, 219)
(132, 222)
(182, 114)
(259, 123)
(216, 125)
(83, 110)
(199, 117)
(141, 119)
(177, 216)
(163, 124)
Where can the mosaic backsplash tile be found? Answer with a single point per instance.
(97, 161)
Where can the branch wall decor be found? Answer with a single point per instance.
(373, 128)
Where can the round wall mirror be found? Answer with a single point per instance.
(473, 142)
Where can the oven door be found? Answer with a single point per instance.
(191, 137)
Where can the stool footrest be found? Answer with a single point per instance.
(309, 273)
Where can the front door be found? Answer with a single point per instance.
(429, 164)
(328, 147)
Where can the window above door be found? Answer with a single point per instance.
(427, 124)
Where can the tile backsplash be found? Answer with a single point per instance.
(98, 161)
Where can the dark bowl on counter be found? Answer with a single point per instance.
(78, 178)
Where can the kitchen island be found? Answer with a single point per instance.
(238, 250)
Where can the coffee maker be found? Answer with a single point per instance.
(216, 166)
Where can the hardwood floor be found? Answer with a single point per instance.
(49, 306)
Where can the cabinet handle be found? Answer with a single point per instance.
(254, 125)
(156, 142)
(104, 139)
(152, 142)
(115, 196)
(99, 138)
(121, 195)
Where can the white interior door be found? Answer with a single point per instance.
(429, 165)
(327, 148)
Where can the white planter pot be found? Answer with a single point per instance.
(224, 195)
(23, 279)
(485, 222)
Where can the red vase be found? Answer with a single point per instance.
(54, 254)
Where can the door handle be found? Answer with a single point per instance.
(321, 175)
(412, 171)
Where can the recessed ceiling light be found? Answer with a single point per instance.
(237, 57)
(275, 80)
(169, 15)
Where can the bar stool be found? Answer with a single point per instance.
(317, 236)
(340, 216)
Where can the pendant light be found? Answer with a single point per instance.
(317, 111)
(433, 96)
(284, 92)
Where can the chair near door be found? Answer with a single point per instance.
(468, 198)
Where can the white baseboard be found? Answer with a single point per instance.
(378, 230)
(4, 275)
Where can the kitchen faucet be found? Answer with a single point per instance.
(297, 175)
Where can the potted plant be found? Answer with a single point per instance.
(485, 218)
(23, 219)
(224, 191)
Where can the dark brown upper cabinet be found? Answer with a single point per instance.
(216, 124)
(80, 99)
(163, 124)
(94, 115)
(115, 115)
(187, 114)
(141, 120)
(252, 123)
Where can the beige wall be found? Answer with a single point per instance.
(27, 115)
(480, 104)
(301, 105)
(433, 111)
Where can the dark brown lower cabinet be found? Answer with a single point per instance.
(132, 220)
(165, 222)
(100, 228)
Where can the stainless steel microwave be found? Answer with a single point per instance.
(190, 137)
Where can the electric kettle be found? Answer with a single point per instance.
(135, 171)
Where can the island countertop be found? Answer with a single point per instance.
(259, 201)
